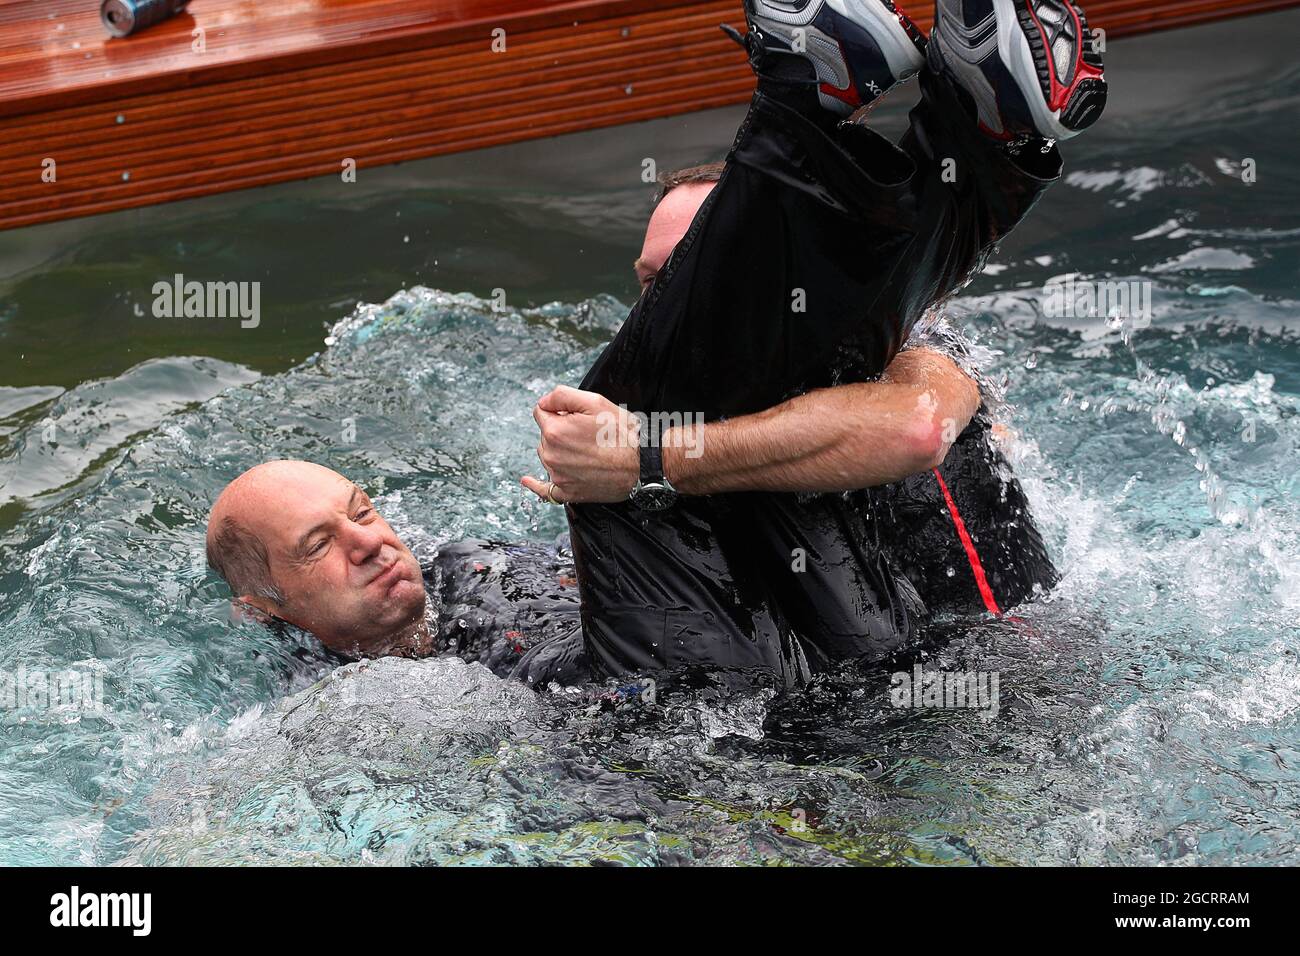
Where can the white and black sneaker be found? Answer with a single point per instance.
(858, 49)
(1030, 66)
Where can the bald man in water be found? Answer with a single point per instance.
(302, 544)
(299, 542)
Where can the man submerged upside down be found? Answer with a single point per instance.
(848, 487)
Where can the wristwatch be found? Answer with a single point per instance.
(652, 492)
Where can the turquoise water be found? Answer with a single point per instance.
(1149, 707)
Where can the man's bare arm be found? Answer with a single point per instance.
(833, 439)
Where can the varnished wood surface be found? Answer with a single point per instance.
(286, 90)
(56, 52)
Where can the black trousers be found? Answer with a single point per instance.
(806, 267)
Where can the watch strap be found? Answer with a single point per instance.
(652, 462)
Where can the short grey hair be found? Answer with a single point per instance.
(240, 557)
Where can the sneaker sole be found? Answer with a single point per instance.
(1024, 50)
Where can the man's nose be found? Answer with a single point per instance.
(364, 543)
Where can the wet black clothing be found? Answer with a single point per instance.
(807, 266)
(514, 607)
(917, 530)
(511, 607)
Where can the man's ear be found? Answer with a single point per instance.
(247, 607)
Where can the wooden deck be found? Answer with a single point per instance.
(287, 90)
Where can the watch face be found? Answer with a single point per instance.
(654, 496)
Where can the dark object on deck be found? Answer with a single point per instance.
(123, 17)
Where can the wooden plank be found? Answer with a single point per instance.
(147, 128)
(645, 31)
(55, 53)
(434, 125)
(577, 121)
(1129, 18)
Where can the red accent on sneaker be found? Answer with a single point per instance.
(1060, 95)
(847, 95)
(1005, 136)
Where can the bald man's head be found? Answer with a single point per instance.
(302, 543)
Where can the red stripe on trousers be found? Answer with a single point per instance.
(980, 580)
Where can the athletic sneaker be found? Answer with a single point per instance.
(858, 49)
(1029, 65)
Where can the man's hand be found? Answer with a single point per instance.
(588, 447)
